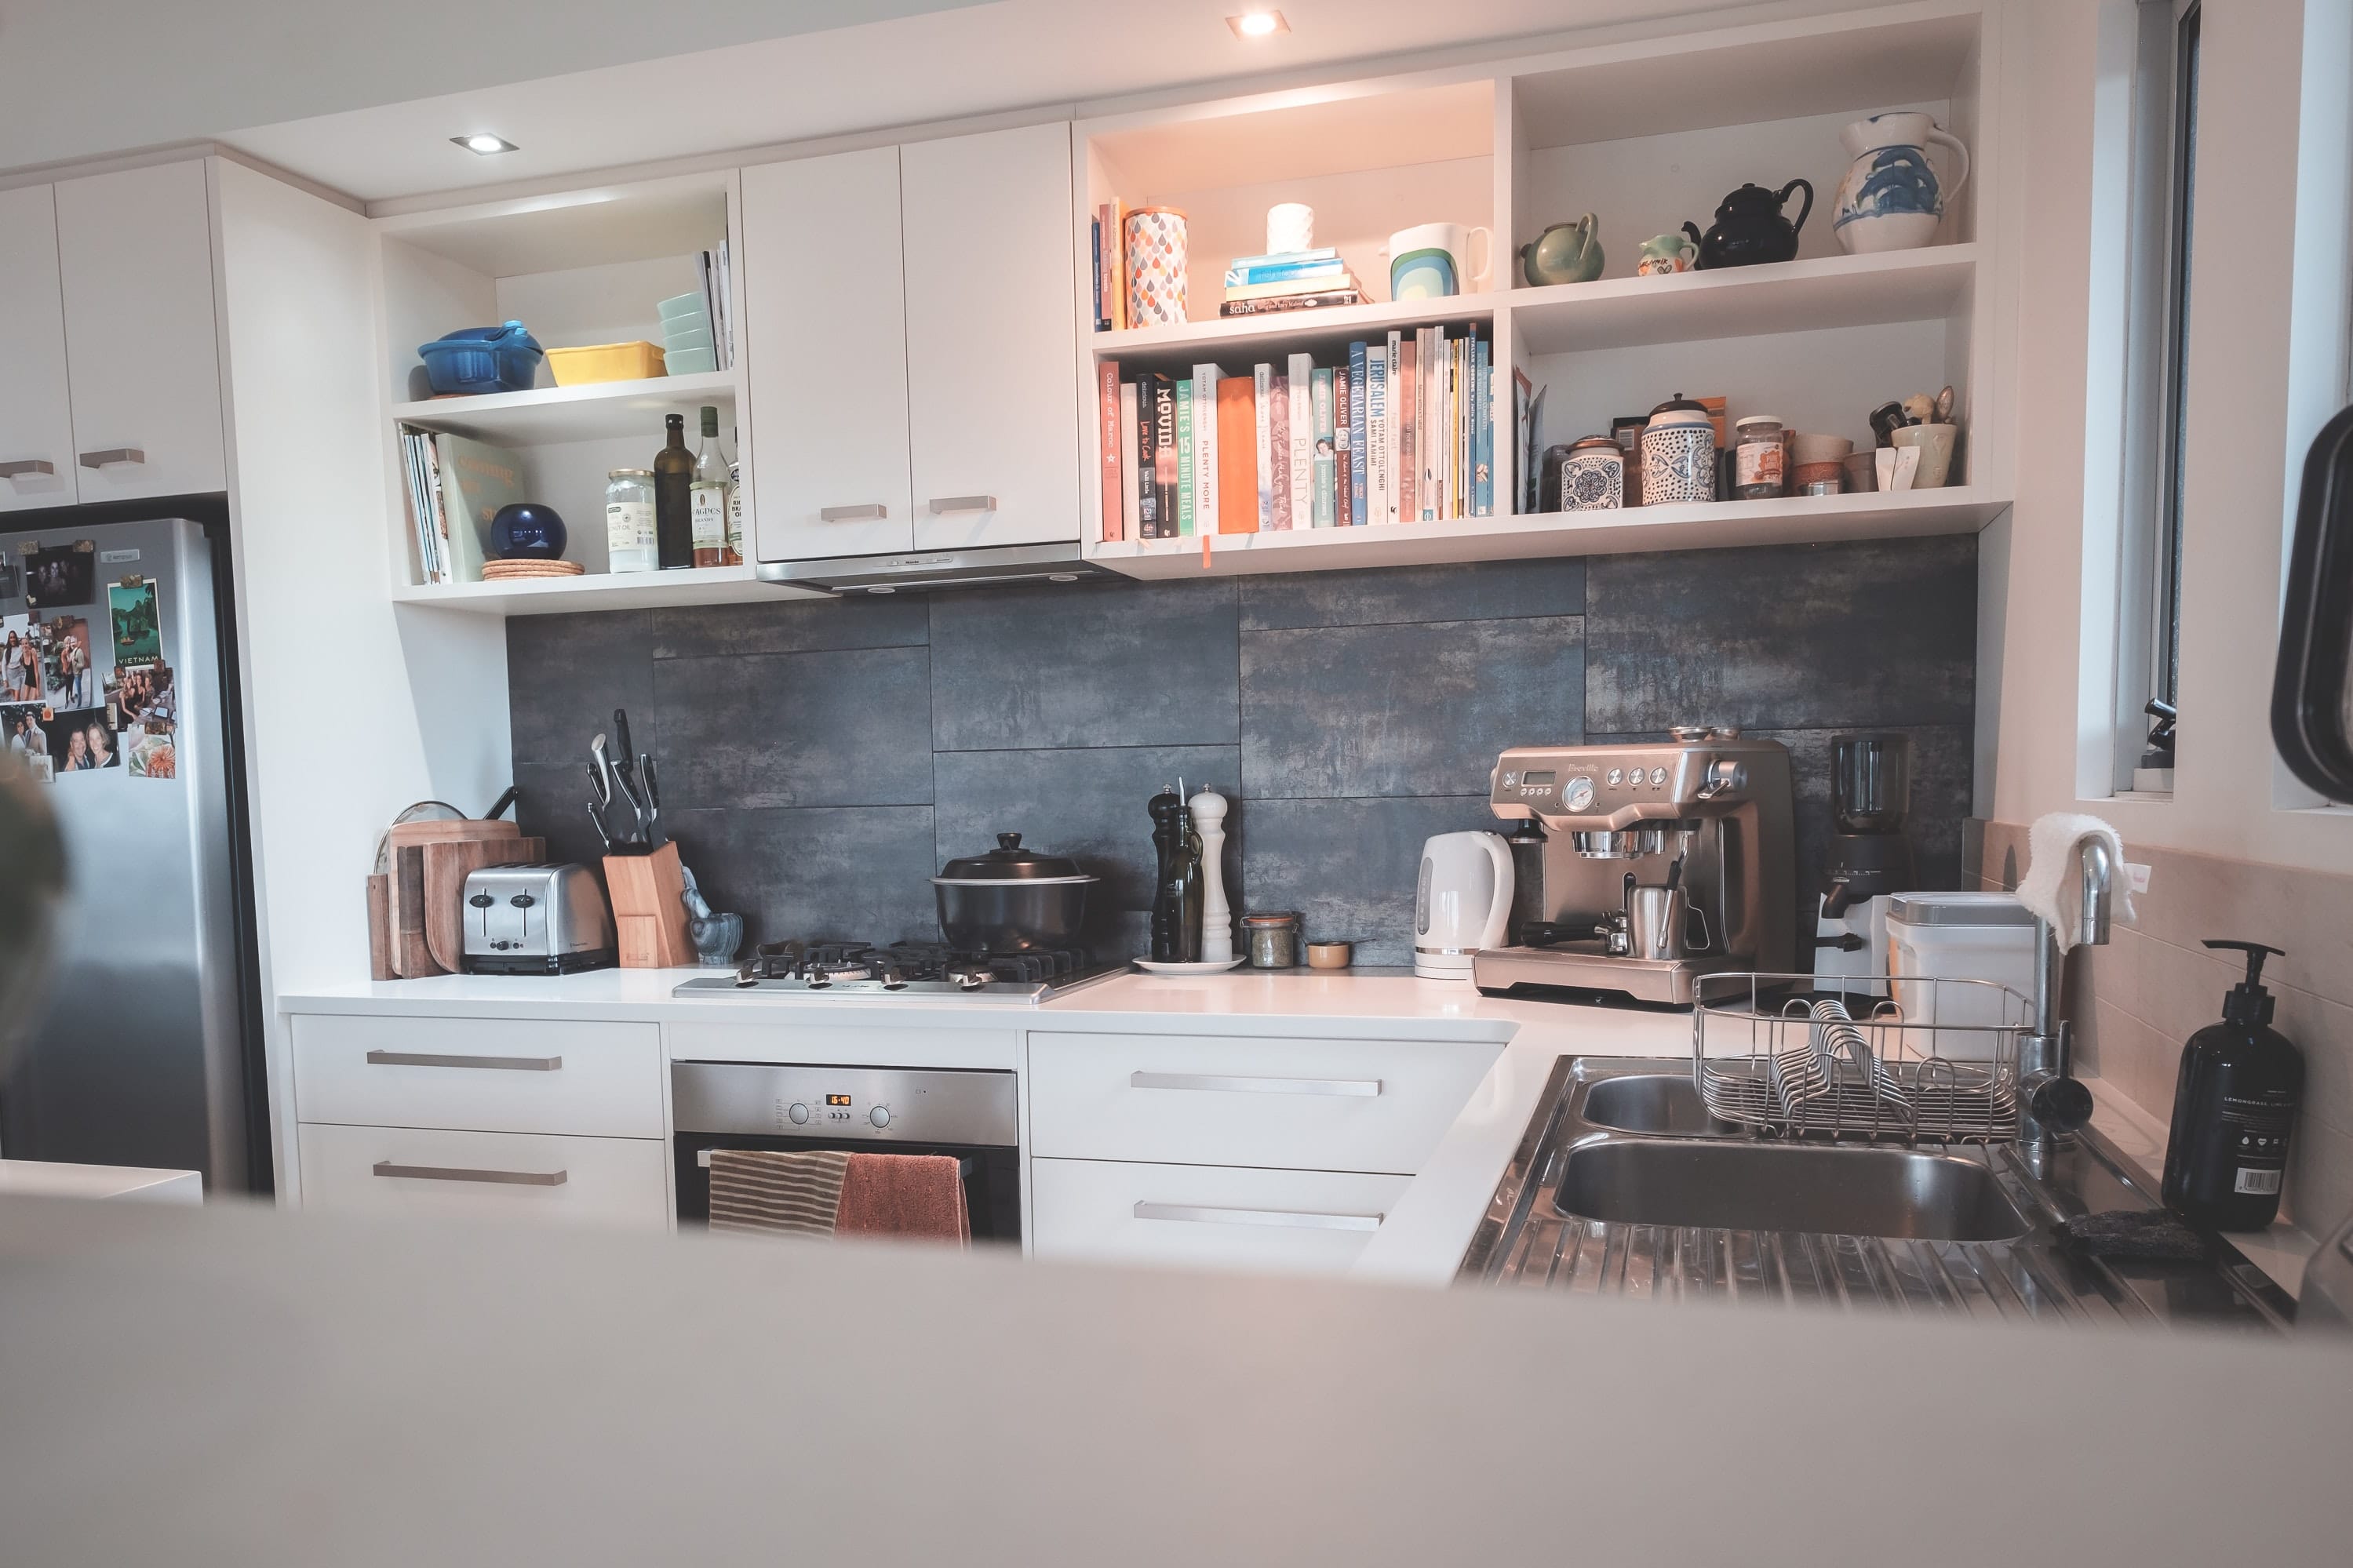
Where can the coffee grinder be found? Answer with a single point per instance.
(1869, 858)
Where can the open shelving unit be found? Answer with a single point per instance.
(1647, 133)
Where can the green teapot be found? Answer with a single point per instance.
(1564, 253)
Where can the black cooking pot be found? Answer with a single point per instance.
(1011, 899)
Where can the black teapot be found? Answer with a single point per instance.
(1749, 227)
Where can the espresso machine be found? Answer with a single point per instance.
(1869, 858)
(1661, 862)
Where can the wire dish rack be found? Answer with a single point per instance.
(1866, 1056)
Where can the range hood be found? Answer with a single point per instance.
(916, 571)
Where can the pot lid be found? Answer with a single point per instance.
(1008, 862)
(1593, 443)
(1679, 403)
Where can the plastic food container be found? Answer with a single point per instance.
(1960, 936)
(477, 359)
(691, 362)
(680, 305)
(605, 362)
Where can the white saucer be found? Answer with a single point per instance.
(1157, 966)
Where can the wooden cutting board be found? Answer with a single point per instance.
(411, 958)
(446, 868)
(379, 908)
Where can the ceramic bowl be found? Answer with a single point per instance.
(1935, 445)
(1805, 451)
(1805, 474)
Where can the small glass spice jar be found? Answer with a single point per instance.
(1273, 940)
(1760, 458)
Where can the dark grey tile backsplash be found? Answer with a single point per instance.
(820, 759)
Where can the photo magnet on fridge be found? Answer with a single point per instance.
(65, 664)
(79, 742)
(21, 734)
(139, 699)
(137, 622)
(11, 582)
(61, 575)
(20, 659)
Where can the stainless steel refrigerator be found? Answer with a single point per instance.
(147, 1049)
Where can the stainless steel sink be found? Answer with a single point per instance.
(1893, 1193)
(1651, 1102)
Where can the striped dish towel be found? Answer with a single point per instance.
(769, 1192)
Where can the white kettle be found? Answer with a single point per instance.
(1461, 902)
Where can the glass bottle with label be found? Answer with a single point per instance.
(734, 556)
(707, 496)
(629, 542)
(673, 482)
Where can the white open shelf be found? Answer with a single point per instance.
(603, 591)
(605, 411)
(1321, 327)
(1789, 519)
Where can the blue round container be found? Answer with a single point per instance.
(476, 360)
(528, 530)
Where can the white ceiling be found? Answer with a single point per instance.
(335, 91)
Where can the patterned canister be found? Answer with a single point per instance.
(1155, 267)
(1593, 477)
(1678, 454)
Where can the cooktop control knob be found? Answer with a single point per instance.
(799, 1113)
(880, 1116)
(1577, 793)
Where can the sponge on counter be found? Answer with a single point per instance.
(2150, 1235)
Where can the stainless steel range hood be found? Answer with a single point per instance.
(916, 571)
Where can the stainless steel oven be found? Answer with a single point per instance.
(970, 1115)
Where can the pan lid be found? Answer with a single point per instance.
(1008, 862)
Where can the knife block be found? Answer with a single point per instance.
(648, 894)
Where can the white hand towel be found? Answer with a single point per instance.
(2052, 857)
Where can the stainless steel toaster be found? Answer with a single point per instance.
(536, 919)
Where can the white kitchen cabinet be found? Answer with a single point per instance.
(490, 1175)
(135, 257)
(37, 449)
(826, 329)
(1291, 1222)
(485, 1075)
(993, 410)
(1322, 1105)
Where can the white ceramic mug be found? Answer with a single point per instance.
(1431, 260)
(1290, 226)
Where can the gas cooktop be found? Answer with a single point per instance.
(906, 969)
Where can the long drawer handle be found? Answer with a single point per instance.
(493, 1064)
(874, 510)
(27, 466)
(462, 1173)
(99, 459)
(1296, 1220)
(963, 503)
(1360, 1088)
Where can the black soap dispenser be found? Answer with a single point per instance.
(2233, 1109)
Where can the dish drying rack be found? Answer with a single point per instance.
(1875, 1056)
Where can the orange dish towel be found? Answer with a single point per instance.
(916, 1195)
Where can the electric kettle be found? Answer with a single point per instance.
(1461, 902)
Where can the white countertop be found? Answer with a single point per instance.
(53, 1179)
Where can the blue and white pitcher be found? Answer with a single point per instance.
(1891, 198)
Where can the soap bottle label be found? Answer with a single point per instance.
(2255, 1131)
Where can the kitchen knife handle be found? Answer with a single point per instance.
(432, 1059)
(463, 1173)
(1361, 1088)
(1295, 1219)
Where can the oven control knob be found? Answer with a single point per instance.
(799, 1113)
(880, 1116)
(1577, 793)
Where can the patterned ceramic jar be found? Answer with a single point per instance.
(1155, 243)
(1678, 454)
(1593, 478)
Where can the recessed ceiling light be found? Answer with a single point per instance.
(485, 143)
(1258, 24)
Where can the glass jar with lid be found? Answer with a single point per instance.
(1273, 939)
(630, 545)
(1759, 453)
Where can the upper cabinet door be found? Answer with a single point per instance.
(35, 423)
(136, 256)
(992, 338)
(826, 329)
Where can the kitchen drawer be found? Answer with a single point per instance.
(418, 1170)
(1314, 1105)
(1293, 1221)
(485, 1075)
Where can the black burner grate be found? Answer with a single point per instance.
(909, 961)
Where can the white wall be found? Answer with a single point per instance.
(353, 711)
(2244, 442)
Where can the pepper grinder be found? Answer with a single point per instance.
(1209, 809)
(1168, 811)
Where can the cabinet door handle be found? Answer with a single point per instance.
(112, 455)
(461, 1173)
(963, 503)
(20, 470)
(872, 510)
(1295, 1219)
(432, 1059)
(1361, 1088)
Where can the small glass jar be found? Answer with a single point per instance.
(1760, 456)
(1273, 940)
(629, 541)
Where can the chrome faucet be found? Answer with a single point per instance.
(2052, 1104)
